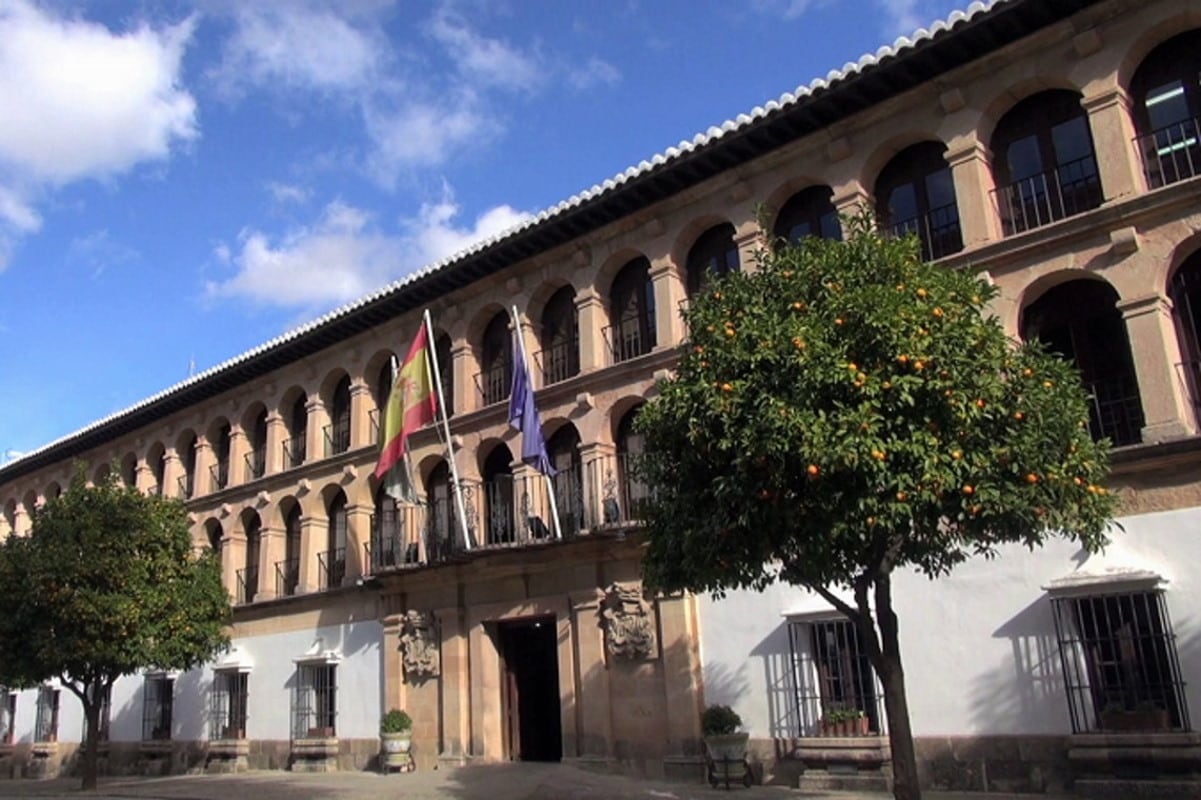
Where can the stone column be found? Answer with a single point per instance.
(569, 691)
(239, 446)
(968, 159)
(313, 535)
(143, 476)
(233, 556)
(277, 431)
(1153, 345)
(315, 422)
(172, 472)
(749, 242)
(669, 296)
(358, 536)
(1110, 119)
(462, 367)
(361, 405)
(272, 548)
(849, 199)
(591, 312)
(456, 687)
(202, 482)
(595, 693)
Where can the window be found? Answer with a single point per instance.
(157, 703)
(560, 356)
(632, 310)
(219, 471)
(441, 519)
(256, 459)
(1185, 291)
(46, 725)
(630, 445)
(227, 704)
(916, 194)
(837, 691)
(809, 212)
(1166, 91)
(446, 372)
(296, 445)
(1079, 320)
(498, 497)
(1045, 166)
(8, 714)
(714, 254)
(248, 576)
(187, 454)
(496, 360)
(314, 703)
(337, 433)
(333, 560)
(564, 451)
(102, 717)
(1119, 662)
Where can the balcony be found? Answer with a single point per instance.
(494, 383)
(256, 464)
(396, 538)
(337, 437)
(373, 424)
(186, 484)
(219, 475)
(294, 450)
(248, 585)
(616, 497)
(559, 361)
(629, 338)
(1170, 154)
(287, 577)
(1115, 410)
(331, 568)
(1073, 188)
(938, 230)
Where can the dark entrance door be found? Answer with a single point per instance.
(531, 688)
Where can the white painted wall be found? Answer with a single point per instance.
(979, 647)
(272, 677)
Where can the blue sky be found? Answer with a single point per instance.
(180, 182)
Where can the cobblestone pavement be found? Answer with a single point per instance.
(484, 782)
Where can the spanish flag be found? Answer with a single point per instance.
(412, 404)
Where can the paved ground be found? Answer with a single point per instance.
(487, 782)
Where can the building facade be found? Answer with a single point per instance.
(1052, 144)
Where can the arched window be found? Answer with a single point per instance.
(1186, 309)
(1166, 91)
(219, 470)
(380, 393)
(632, 493)
(915, 194)
(256, 458)
(564, 451)
(296, 445)
(809, 212)
(498, 497)
(101, 474)
(714, 254)
(442, 537)
(560, 337)
(391, 546)
(333, 560)
(287, 572)
(216, 536)
(496, 360)
(632, 310)
(186, 451)
(1044, 162)
(156, 460)
(53, 491)
(129, 470)
(446, 371)
(1080, 321)
(248, 576)
(337, 433)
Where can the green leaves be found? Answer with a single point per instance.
(107, 584)
(847, 409)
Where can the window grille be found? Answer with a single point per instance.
(227, 705)
(8, 714)
(157, 707)
(314, 703)
(833, 674)
(46, 726)
(1120, 666)
(102, 717)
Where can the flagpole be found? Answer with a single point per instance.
(550, 484)
(456, 489)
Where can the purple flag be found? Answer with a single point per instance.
(523, 414)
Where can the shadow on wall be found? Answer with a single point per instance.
(780, 680)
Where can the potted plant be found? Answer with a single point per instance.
(726, 745)
(844, 722)
(396, 738)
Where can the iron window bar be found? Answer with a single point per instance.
(46, 722)
(287, 577)
(294, 450)
(314, 702)
(332, 567)
(1170, 154)
(938, 230)
(630, 338)
(337, 437)
(157, 706)
(248, 585)
(219, 474)
(256, 464)
(836, 691)
(227, 704)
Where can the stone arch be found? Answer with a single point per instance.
(888, 149)
(611, 267)
(129, 470)
(377, 372)
(1151, 37)
(101, 473)
(618, 411)
(1004, 101)
(688, 234)
(52, 491)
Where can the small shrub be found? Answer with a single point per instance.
(395, 721)
(720, 721)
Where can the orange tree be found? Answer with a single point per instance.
(106, 584)
(846, 411)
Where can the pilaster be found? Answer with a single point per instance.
(1109, 119)
(972, 176)
(277, 431)
(595, 716)
(358, 536)
(1152, 333)
(313, 534)
(462, 366)
(271, 549)
(361, 405)
(315, 422)
(456, 685)
(590, 310)
(669, 300)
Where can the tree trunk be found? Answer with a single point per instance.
(91, 712)
(905, 784)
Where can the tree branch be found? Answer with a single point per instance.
(834, 600)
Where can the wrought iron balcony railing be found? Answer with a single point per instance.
(256, 464)
(494, 383)
(629, 338)
(938, 230)
(1115, 410)
(331, 568)
(1171, 154)
(337, 437)
(287, 577)
(248, 585)
(560, 361)
(1073, 188)
(186, 485)
(294, 450)
(219, 475)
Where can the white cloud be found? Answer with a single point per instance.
(344, 254)
(10, 455)
(295, 47)
(482, 60)
(423, 133)
(98, 251)
(787, 9)
(284, 193)
(594, 72)
(80, 101)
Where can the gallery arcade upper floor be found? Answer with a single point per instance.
(1054, 145)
